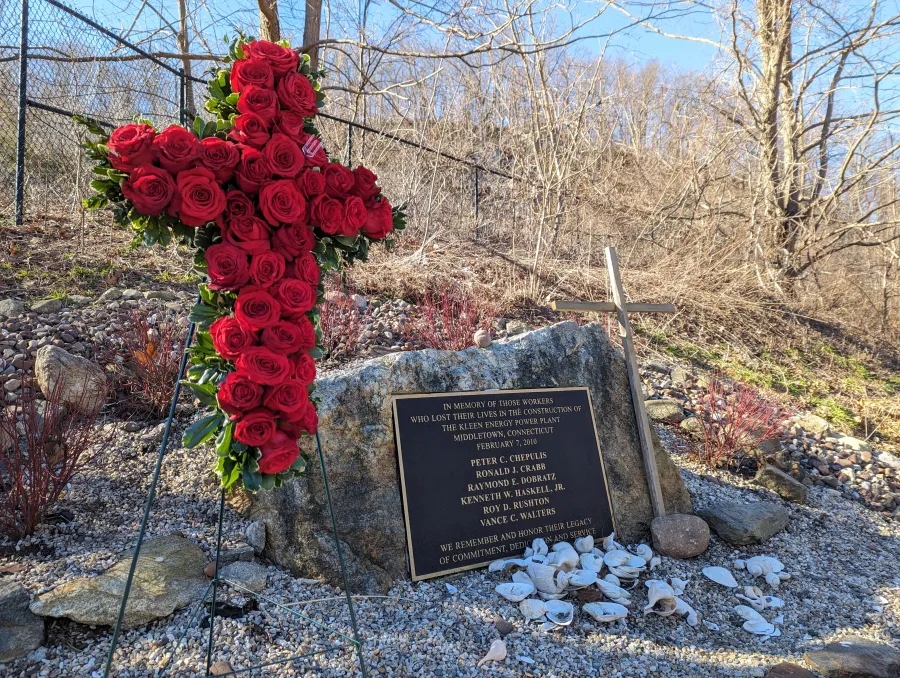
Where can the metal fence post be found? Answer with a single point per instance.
(349, 144)
(23, 95)
(476, 196)
(181, 103)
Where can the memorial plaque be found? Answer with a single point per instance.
(485, 473)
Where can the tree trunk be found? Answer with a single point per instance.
(269, 26)
(184, 48)
(312, 30)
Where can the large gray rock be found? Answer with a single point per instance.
(82, 384)
(20, 630)
(169, 577)
(358, 441)
(742, 524)
(856, 658)
(781, 484)
(47, 306)
(11, 308)
(680, 535)
(812, 423)
(664, 410)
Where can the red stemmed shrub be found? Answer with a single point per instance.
(735, 419)
(448, 319)
(339, 319)
(144, 360)
(42, 447)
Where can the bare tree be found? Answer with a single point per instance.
(269, 23)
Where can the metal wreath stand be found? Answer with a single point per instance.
(348, 642)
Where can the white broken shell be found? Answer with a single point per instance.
(605, 612)
(560, 612)
(591, 562)
(616, 558)
(660, 598)
(551, 596)
(496, 653)
(612, 579)
(678, 585)
(522, 578)
(655, 562)
(531, 608)
(682, 609)
(515, 592)
(627, 572)
(578, 579)
(610, 544)
(721, 576)
(756, 623)
(547, 579)
(565, 557)
(584, 544)
(539, 546)
(765, 566)
(503, 565)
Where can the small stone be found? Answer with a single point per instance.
(514, 327)
(665, 410)
(854, 443)
(210, 569)
(20, 630)
(11, 308)
(220, 668)
(854, 657)
(680, 535)
(77, 300)
(680, 377)
(788, 670)
(256, 535)
(781, 484)
(162, 295)
(252, 576)
(111, 294)
(504, 628)
(132, 295)
(693, 427)
(742, 524)
(482, 338)
(12, 385)
(812, 423)
(81, 383)
(360, 302)
(47, 306)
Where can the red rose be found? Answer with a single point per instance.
(238, 205)
(264, 366)
(259, 100)
(287, 397)
(313, 150)
(338, 180)
(305, 419)
(364, 183)
(295, 296)
(284, 156)
(380, 219)
(199, 199)
(256, 308)
(250, 129)
(175, 149)
(279, 453)
(226, 267)
(283, 60)
(251, 234)
(304, 367)
(230, 338)
(150, 188)
(307, 269)
(130, 146)
(355, 215)
(283, 337)
(251, 72)
(311, 183)
(255, 428)
(281, 202)
(296, 93)
(307, 331)
(252, 171)
(220, 157)
(291, 125)
(293, 240)
(266, 268)
(328, 214)
(238, 394)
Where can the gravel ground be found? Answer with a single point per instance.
(842, 556)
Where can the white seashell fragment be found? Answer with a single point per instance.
(550, 626)
(515, 592)
(655, 562)
(610, 544)
(539, 546)
(765, 566)
(756, 623)
(522, 578)
(565, 557)
(532, 608)
(496, 653)
(560, 612)
(528, 552)
(627, 572)
(721, 576)
(551, 596)
(503, 565)
(712, 626)
(616, 558)
(561, 546)
(547, 579)
(612, 579)
(578, 579)
(615, 593)
(660, 598)
(678, 585)
(605, 612)
(682, 609)
(591, 562)
(643, 551)
(584, 544)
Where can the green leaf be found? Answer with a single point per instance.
(316, 352)
(198, 127)
(210, 129)
(201, 430)
(268, 481)
(205, 393)
(223, 442)
(252, 480)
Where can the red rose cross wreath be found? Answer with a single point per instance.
(255, 193)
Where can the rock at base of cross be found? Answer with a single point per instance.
(855, 657)
(680, 535)
(788, 670)
(781, 484)
(744, 524)
(20, 630)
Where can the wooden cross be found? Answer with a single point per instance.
(622, 310)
